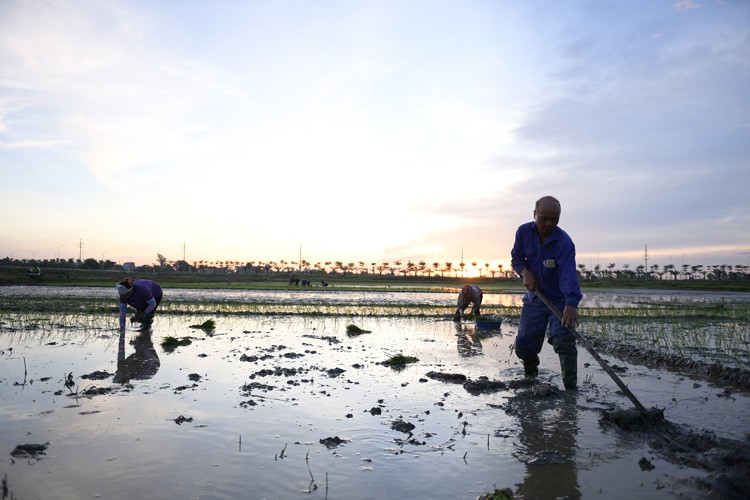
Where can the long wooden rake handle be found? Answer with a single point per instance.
(584, 341)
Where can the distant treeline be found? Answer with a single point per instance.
(396, 268)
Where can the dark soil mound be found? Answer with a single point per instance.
(633, 420)
(712, 372)
(483, 385)
(727, 461)
(452, 378)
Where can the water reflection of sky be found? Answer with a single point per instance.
(122, 442)
(598, 298)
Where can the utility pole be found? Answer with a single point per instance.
(462, 262)
(80, 250)
(300, 257)
(183, 251)
(645, 255)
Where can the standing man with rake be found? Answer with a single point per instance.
(544, 256)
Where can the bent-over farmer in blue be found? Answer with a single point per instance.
(469, 294)
(142, 295)
(545, 257)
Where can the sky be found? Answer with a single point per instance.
(373, 131)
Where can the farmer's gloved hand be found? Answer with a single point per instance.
(138, 317)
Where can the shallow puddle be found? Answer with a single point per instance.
(290, 407)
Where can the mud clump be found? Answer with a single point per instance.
(645, 464)
(401, 426)
(335, 372)
(484, 385)
(257, 386)
(29, 450)
(332, 442)
(451, 378)
(97, 391)
(97, 375)
(634, 420)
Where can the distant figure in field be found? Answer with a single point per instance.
(469, 294)
(323, 283)
(294, 280)
(142, 295)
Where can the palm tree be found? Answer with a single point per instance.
(449, 267)
(410, 267)
(655, 270)
(582, 270)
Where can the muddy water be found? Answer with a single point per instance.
(241, 414)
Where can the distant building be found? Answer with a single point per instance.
(128, 266)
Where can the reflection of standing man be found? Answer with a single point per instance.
(545, 257)
(469, 294)
(547, 445)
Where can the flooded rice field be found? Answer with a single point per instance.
(271, 405)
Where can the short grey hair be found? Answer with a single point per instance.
(547, 198)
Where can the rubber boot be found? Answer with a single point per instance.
(530, 366)
(565, 347)
(569, 369)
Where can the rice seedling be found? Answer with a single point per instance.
(170, 343)
(207, 326)
(399, 361)
(353, 330)
(713, 331)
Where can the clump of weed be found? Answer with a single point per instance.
(207, 326)
(170, 343)
(498, 494)
(399, 361)
(352, 330)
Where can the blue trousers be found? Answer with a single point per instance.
(535, 319)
